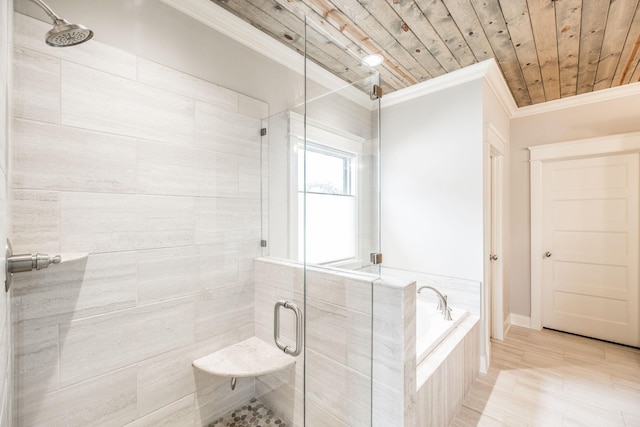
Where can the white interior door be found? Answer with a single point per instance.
(590, 247)
(497, 313)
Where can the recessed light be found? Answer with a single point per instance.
(373, 60)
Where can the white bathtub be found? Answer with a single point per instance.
(431, 328)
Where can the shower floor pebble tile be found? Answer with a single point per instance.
(253, 414)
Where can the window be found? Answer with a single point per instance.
(330, 203)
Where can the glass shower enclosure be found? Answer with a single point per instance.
(320, 227)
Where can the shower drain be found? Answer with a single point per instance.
(253, 414)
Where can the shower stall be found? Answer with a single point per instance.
(321, 244)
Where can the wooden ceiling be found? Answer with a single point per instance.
(547, 49)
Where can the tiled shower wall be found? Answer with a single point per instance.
(5, 321)
(355, 327)
(156, 174)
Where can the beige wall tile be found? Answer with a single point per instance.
(124, 107)
(109, 400)
(227, 132)
(222, 310)
(164, 379)
(98, 284)
(218, 265)
(179, 413)
(94, 222)
(339, 334)
(168, 273)
(345, 393)
(97, 345)
(220, 220)
(47, 156)
(36, 87)
(35, 361)
(35, 221)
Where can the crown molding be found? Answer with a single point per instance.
(445, 81)
(632, 89)
(487, 70)
(226, 23)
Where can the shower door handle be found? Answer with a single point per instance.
(276, 327)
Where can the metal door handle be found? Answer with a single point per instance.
(547, 254)
(276, 327)
(493, 257)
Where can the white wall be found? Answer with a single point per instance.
(432, 183)
(585, 116)
(5, 308)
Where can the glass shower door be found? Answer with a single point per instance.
(320, 223)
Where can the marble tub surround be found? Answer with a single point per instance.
(157, 175)
(446, 376)
(461, 293)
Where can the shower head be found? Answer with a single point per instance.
(63, 33)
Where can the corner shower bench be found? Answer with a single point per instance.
(249, 358)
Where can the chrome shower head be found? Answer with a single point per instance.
(63, 33)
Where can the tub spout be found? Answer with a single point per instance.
(443, 305)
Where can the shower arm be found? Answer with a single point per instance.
(48, 10)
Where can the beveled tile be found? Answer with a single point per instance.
(47, 156)
(124, 107)
(109, 400)
(36, 86)
(97, 345)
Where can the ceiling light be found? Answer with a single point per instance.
(373, 60)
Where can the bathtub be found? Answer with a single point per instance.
(431, 328)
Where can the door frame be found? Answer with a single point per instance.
(492, 290)
(593, 147)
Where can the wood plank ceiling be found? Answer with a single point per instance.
(546, 49)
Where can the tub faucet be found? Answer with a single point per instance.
(443, 306)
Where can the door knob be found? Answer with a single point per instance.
(493, 257)
(547, 254)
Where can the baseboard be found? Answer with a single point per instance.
(520, 320)
(506, 326)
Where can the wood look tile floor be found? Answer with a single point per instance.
(549, 378)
